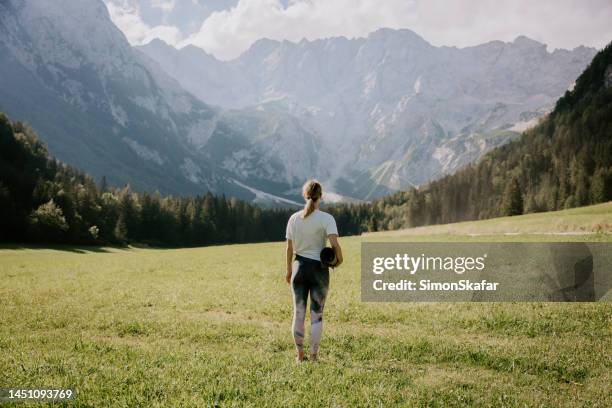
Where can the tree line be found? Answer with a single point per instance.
(43, 200)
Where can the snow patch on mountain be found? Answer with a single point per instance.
(192, 171)
(417, 86)
(523, 125)
(263, 198)
(144, 151)
(119, 114)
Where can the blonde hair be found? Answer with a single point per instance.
(312, 192)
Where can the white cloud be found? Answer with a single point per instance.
(558, 23)
(165, 5)
(127, 18)
(228, 33)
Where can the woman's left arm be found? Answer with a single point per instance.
(289, 261)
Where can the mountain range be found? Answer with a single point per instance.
(563, 162)
(367, 116)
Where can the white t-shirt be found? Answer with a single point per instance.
(309, 234)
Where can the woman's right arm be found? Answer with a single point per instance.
(333, 240)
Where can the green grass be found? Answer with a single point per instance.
(211, 326)
(594, 219)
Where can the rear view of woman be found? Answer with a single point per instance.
(307, 234)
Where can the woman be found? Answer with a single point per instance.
(307, 233)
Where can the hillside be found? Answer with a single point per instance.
(99, 105)
(106, 108)
(44, 200)
(564, 162)
(588, 221)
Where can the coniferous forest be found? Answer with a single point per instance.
(43, 200)
(564, 162)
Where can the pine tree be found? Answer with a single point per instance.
(103, 184)
(121, 232)
(512, 202)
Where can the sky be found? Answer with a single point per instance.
(226, 28)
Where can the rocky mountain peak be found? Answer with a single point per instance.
(524, 41)
(371, 98)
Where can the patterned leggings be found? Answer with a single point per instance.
(309, 276)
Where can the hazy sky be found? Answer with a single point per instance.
(226, 28)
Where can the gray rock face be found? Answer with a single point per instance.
(388, 111)
(102, 105)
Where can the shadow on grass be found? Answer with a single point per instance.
(78, 249)
(85, 249)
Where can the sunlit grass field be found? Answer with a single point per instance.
(211, 327)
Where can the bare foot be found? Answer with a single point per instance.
(313, 358)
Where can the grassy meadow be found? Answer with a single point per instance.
(211, 327)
